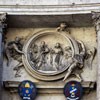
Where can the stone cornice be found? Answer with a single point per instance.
(17, 9)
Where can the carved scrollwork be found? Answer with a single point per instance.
(14, 51)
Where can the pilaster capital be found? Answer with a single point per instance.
(3, 22)
(96, 20)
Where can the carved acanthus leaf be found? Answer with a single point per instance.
(96, 20)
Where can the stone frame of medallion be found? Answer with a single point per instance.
(13, 85)
(45, 76)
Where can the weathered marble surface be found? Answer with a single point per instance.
(87, 35)
(45, 7)
(13, 96)
(46, 2)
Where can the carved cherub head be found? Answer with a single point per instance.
(42, 43)
(17, 39)
(57, 45)
(63, 25)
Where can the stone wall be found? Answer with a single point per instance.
(85, 34)
(13, 96)
(46, 2)
(45, 7)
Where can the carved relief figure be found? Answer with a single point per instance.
(43, 51)
(33, 53)
(58, 52)
(47, 59)
(63, 27)
(90, 55)
(67, 57)
(14, 50)
(50, 59)
(78, 62)
(82, 52)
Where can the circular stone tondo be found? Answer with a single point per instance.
(48, 54)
